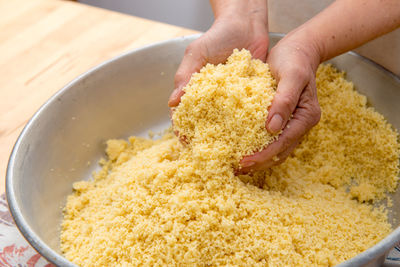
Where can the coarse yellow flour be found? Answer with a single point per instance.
(158, 202)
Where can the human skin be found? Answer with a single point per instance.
(344, 25)
(238, 24)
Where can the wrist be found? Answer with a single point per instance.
(305, 42)
(251, 11)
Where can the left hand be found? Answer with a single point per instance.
(295, 109)
(238, 24)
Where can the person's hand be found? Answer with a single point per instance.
(295, 108)
(294, 61)
(242, 25)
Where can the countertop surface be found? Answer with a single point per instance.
(44, 44)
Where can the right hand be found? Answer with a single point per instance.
(295, 109)
(240, 29)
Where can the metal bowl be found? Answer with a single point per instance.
(126, 96)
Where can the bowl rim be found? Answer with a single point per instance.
(52, 256)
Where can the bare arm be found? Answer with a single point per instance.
(257, 9)
(345, 25)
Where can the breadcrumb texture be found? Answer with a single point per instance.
(157, 202)
(225, 107)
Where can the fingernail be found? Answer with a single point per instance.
(275, 124)
(247, 164)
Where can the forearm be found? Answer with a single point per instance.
(233, 9)
(347, 24)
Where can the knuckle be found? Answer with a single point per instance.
(189, 49)
(314, 114)
(298, 73)
(179, 76)
(192, 48)
(317, 116)
(288, 102)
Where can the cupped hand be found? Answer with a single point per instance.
(217, 44)
(295, 109)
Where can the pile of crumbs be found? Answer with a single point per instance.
(158, 202)
(224, 109)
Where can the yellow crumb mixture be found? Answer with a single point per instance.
(158, 202)
(225, 107)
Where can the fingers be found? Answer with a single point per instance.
(175, 97)
(290, 87)
(273, 154)
(306, 115)
(193, 60)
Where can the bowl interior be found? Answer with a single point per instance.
(125, 96)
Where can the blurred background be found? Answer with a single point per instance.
(193, 14)
(284, 15)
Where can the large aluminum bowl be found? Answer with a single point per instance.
(128, 95)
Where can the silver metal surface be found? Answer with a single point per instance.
(128, 95)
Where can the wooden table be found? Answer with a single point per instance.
(44, 44)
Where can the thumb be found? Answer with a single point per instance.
(193, 60)
(290, 87)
